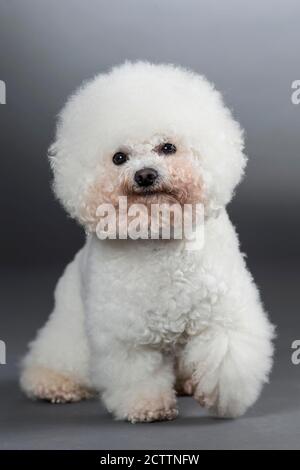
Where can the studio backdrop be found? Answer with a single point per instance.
(249, 50)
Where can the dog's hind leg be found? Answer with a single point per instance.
(56, 366)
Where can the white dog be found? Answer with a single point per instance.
(138, 320)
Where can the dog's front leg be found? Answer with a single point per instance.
(226, 364)
(136, 383)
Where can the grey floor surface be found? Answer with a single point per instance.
(274, 422)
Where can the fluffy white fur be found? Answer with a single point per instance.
(132, 318)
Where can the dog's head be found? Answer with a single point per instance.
(153, 133)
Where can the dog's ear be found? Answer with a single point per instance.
(66, 179)
(220, 147)
(76, 149)
(69, 176)
(71, 153)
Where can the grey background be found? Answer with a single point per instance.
(250, 51)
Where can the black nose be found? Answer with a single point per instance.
(145, 177)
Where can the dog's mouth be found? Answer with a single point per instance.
(158, 193)
(150, 192)
(157, 188)
(152, 196)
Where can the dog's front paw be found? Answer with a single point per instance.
(148, 415)
(224, 392)
(147, 410)
(227, 371)
(220, 403)
(208, 400)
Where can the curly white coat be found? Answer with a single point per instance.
(131, 317)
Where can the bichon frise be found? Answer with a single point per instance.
(138, 321)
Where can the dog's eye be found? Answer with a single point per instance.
(167, 148)
(119, 158)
